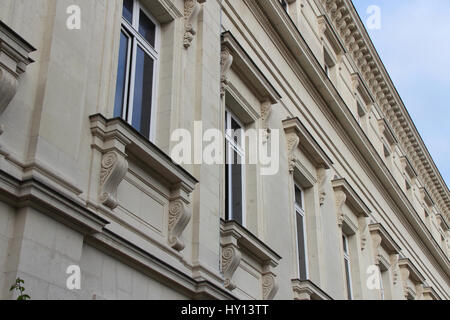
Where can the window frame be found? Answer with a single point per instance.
(231, 145)
(347, 267)
(300, 210)
(135, 40)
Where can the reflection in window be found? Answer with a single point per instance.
(347, 267)
(301, 233)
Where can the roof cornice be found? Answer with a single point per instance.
(350, 28)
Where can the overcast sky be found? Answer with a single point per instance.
(414, 44)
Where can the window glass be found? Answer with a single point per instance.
(143, 87)
(301, 247)
(298, 197)
(128, 10)
(147, 28)
(121, 75)
(349, 283)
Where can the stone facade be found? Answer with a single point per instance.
(80, 186)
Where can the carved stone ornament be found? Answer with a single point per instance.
(14, 57)
(231, 258)
(269, 286)
(226, 60)
(113, 169)
(376, 242)
(191, 11)
(405, 276)
(364, 238)
(341, 197)
(178, 220)
(394, 266)
(321, 177)
(266, 111)
(292, 143)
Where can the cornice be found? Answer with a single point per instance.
(354, 35)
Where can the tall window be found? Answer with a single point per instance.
(301, 233)
(138, 57)
(234, 169)
(347, 267)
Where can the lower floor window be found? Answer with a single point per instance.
(347, 267)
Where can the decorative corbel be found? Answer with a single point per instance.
(394, 265)
(178, 220)
(114, 167)
(341, 197)
(363, 235)
(405, 276)
(269, 286)
(226, 60)
(321, 178)
(14, 57)
(376, 242)
(292, 143)
(266, 111)
(231, 258)
(191, 11)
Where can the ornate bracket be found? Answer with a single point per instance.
(341, 197)
(191, 11)
(321, 178)
(14, 57)
(231, 258)
(292, 143)
(376, 242)
(394, 266)
(113, 169)
(226, 60)
(269, 286)
(178, 220)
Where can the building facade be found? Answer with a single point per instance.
(91, 93)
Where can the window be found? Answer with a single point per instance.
(301, 233)
(347, 267)
(136, 74)
(234, 169)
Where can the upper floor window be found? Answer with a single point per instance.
(234, 169)
(301, 233)
(137, 69)
(347, 267)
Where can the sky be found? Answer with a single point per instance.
(413, 42)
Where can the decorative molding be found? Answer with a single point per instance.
(307, 290)
(292, 140)
(117, 141)
(340, 197)
(226, 60)
(231, 258)
(344, 193)
(298, 136)
(345, 20)
(364, 236)
(114, 167)
(321, 179)
(269, 286)
(409, 272)
(14, 57)
(266, 111)
(179, 218)
(236, 240)
(395, 268)
(191, 11)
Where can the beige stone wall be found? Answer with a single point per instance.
(52, 215)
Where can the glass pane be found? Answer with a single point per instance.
(349, 283)
(344, 244)
(128, 10)
(298, 197)
(143, 89)
(147, 28)
(121, 75)
(234, 187)
(301, 247)
(237, 131)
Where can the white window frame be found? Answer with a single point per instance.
(231, 145)
(135, 39)
(347, 265)
(287, 5)
(301, 211)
